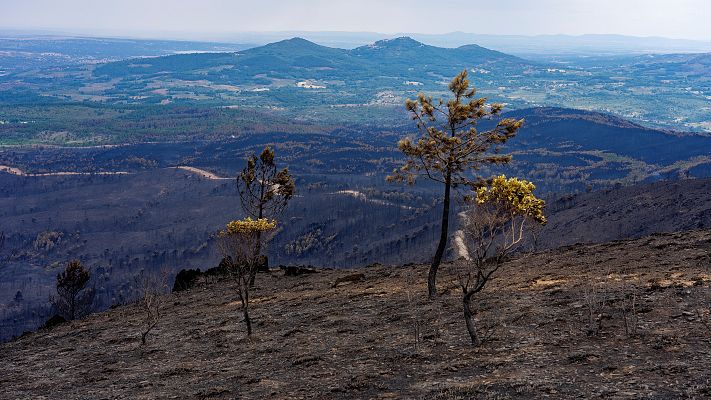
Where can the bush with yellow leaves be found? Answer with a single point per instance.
(494, 227)
(248, 226)
(241, 244)
(512, 196)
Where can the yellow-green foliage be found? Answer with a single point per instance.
(516, 195)
(248, 226)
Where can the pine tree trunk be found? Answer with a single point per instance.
(469, 319)
(432, 276)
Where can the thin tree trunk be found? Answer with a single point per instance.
(72, 307)
(432, 276)
(253, 272)
(144, 334)
(255, 268)
(248, 321)
(469, 319)
(244, 299)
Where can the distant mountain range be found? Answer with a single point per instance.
(297, 73)
(109, 48)
(42, 51)
(547, 45)
(299, 58)
(521, 45)
(299, 79)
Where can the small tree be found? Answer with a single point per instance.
(450, 149)
(241, 243)
(495, 227)
(153, 287)
(264, 190)
(72, 301)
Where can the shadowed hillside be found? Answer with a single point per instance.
(121, 224)
(628, 212)
(357, 340)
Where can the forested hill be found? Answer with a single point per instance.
(301, 59)
(299, 80)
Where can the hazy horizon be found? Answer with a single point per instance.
(216, 36)
(220, 20)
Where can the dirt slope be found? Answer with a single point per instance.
(358, 340)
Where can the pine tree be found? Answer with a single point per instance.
(70, 283)
(450, 149)
(264, 191)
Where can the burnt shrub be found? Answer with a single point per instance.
(218, 272)
(186, 279)
(54, 321)
(74, 300)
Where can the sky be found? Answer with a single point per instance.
(687, 19)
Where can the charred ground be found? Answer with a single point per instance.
(357, 340)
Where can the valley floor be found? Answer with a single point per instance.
(358, 340)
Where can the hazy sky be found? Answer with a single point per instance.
(670, 18)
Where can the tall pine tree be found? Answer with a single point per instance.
(450, 149)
